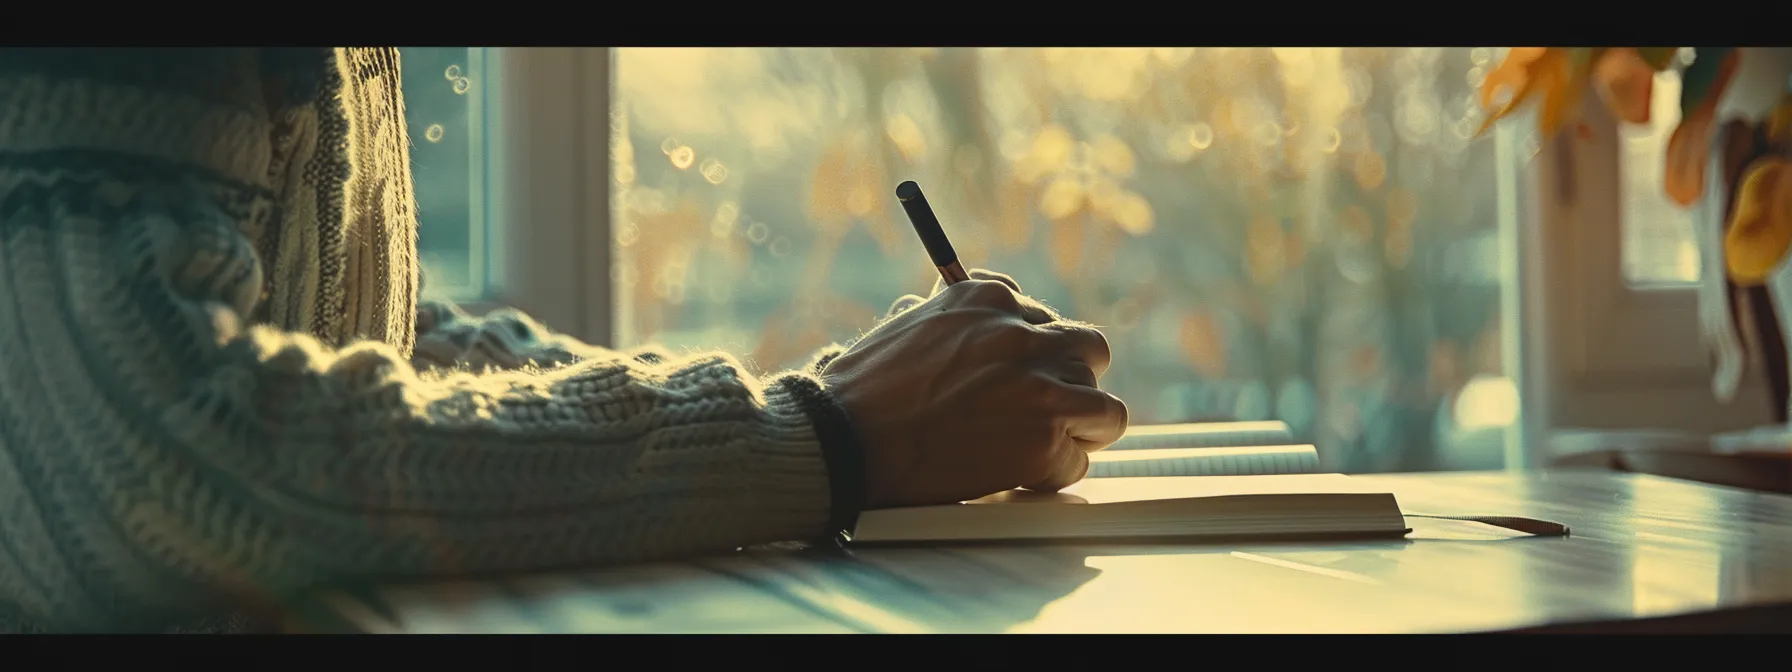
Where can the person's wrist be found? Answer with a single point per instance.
(841, 447)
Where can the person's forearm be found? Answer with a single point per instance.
(273, 465)
(505, 339)
(161, 460)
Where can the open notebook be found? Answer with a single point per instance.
(1280, 507)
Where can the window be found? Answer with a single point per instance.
(444, 113)
(1658, 245)
(1306, 234)
(1619, 338)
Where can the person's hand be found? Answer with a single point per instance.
(974, 391)
(1034, 311)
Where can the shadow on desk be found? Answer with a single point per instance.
(1771, 619)
(952, 589)
(776, 591)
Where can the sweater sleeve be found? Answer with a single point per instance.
(505, 339)
(160, 458)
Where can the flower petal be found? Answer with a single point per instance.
(1624, 81)
(1527, 87)
(1688, 150)
(1658, 58)
(1563, 85)
(1512, 72)
(1760, 230)
(1689, 146)
(1779, 121)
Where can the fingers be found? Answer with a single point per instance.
(1076, 342)
(996, 295)
(982, 274)
(1073, 372)
(1037, 313)
(1004, 278)
(985, 294)
(1091, 420)
(1069, 466)
(1089, 415)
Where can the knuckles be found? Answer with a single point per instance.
(988, 294)
(1011, 339)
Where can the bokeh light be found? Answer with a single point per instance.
(1261, 232)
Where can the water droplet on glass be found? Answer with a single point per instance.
(780, 247)
(452, 73)
(1200, 136)
(461, 84)
(433, 133)
(682, 157)
(723, 224)
(1332, 140)
(1480, 55)
(713, 171)
(628, 234)
(669, 144)
(757, 232)
(1465, 129)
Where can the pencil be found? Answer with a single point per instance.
(932, 236)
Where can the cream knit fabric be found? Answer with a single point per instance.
(208, 288)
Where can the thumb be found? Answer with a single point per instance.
(1071, 465)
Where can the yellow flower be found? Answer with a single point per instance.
(1761, 227)
(1624, 79)
(1558, 75)
(1779, 121)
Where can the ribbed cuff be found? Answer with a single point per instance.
(840, 448)
(822, 358)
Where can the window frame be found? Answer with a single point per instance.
(547, 165)
(1610, 355)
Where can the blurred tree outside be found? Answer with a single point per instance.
(1304, 234)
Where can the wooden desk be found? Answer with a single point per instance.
(1641, 546)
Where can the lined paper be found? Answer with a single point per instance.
(1230, 461)
(1205, 435)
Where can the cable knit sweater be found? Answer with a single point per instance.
(217, 388)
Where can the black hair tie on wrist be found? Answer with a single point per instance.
(840, 449)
